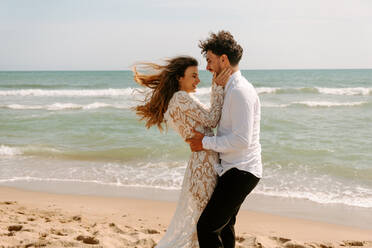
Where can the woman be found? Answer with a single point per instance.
(169, 102)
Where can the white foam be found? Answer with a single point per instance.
(117, 184)
(20, 106)
(329, 104)
(70, 93)
(266, 90)
(169, 175)
(314, 104)
(64, 106)
(321, 197)
(9, 151)
(60, 106)
(274, 105)
(172, 181)
(159, 175)
(328, 91)
(345, 91)
(98, 105)
(259, 90)
(199, 91)
(27, 150)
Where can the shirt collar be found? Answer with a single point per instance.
(233, 76)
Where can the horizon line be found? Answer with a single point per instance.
(274, 69)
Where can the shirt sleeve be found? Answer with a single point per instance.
(242, 119)
(208, 117)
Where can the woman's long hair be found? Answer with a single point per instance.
(163, 84)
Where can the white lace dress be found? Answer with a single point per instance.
(185, 113)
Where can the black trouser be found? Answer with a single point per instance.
(216, 223)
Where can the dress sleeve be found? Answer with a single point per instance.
(208, 117)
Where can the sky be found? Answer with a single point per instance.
(115, 34)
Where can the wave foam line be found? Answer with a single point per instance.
(200, 91)
(321, 198)
(274, 105)
(266, 90)
(117, 184)
(26, 150)
(313, 104)
(9, 151)
(345, 91)
(71, 93)
(98, 105)
(260, 90)
(330, 104)
(63, 106)
(318, 197)
(316, 90)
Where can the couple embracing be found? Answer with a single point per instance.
(224, 168)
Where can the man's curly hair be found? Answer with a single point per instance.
(222, 43)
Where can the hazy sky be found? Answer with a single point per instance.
(113, 34)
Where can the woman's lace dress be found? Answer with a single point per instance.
(185, 113)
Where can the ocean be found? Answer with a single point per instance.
(78, 127)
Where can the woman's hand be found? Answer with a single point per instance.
(223, 77)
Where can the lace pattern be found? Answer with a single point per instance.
(185, 113)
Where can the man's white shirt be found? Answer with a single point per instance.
(238, 132)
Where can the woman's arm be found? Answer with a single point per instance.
(191, 107)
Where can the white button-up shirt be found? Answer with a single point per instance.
(238, 132)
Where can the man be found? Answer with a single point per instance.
(237, 142)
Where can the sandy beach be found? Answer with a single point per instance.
(35, 219)
(80, 167)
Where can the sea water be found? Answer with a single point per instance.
(78, 127)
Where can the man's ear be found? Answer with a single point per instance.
(225, 60)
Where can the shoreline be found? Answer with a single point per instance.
(51, 217)
(304, 209)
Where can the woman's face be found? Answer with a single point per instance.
(190, 79)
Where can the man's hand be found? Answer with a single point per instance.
(195, 142)
(223, 77)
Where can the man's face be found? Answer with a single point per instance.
(213, 62)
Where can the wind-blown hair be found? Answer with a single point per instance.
(223, 43)
(163, 84)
